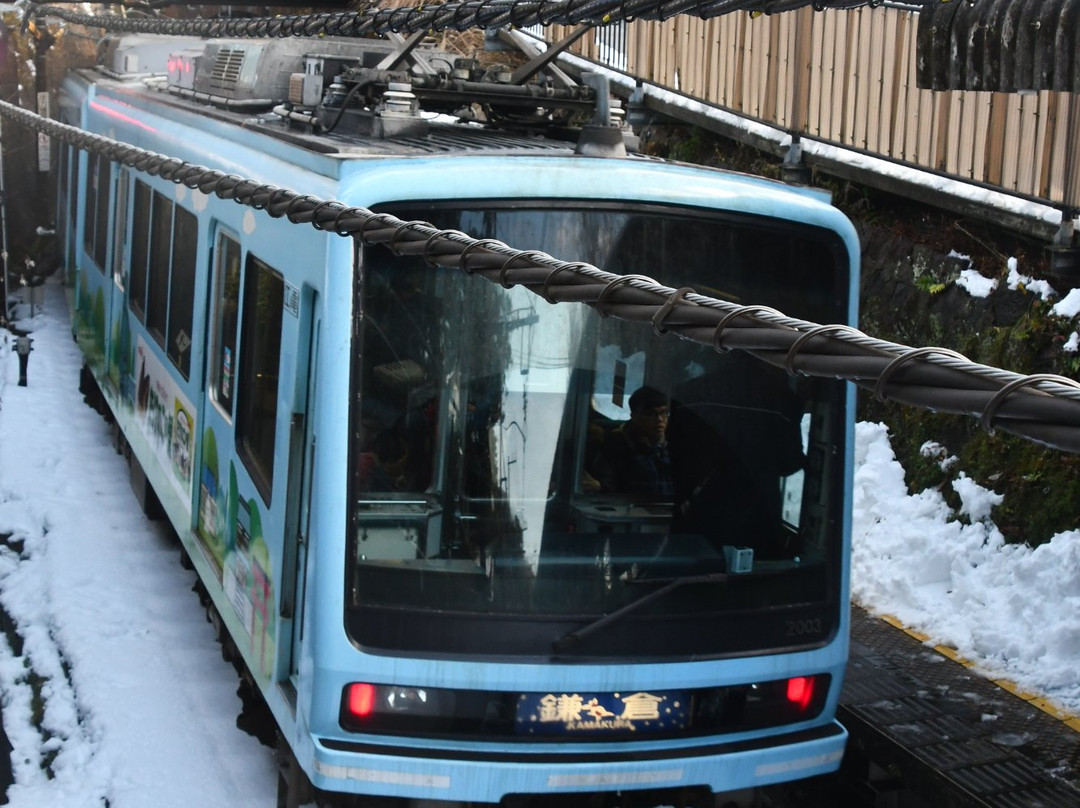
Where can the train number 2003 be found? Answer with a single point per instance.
(803, 627)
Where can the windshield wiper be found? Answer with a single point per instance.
(572, 638)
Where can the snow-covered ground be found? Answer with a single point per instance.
(139, 708)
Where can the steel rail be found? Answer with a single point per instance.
(1042, 408)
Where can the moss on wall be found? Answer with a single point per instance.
(912, 257)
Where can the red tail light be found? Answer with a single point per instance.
(361, 700)
(800, 691)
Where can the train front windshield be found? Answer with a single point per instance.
(536, 480)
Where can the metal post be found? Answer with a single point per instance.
(3, 227)
(22, 348)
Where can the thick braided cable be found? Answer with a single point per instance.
(434, 17)
(1041, 408)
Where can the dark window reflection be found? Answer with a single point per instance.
(513, 456)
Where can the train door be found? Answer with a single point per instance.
(254, 444)
(298, 511)
(93, 286)
(117, 337)
(216, 498)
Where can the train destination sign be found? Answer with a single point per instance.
(601, 713)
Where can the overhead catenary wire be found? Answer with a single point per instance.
(1042, 408)
(435, 17)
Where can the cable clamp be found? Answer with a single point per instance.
(545, 291)
(663, 312)
(484, 243)
(230, 181)
(294, 202)
(992, 406)
(728, 318)
(903, 359)
(378, 218)
(817, 331)
(432, 238)
(272, 202)
(611, 286)
(337, 227)
(318, 209)
(403, 228)
(527, 255)
(265, 187)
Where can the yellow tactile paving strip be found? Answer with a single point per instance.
(1034, 699)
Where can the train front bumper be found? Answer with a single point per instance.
(490, 774)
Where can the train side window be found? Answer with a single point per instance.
(157, 297)
(120, 229)
(90, 203)
(260, 352)
(140, 249)
(95, 229)
(101, 224)
(226, 309)
(182, 288)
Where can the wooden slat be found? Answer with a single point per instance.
(1012, 141)
(833, 111)
(885, 37)
(849, 77)
(940, 153)
(770, 91)
(800, 68)
(858, 93)
(1046, 153)
(1071, 191)
(976, 144)
(1029, 131)
(740, 62)
(869, 72)
(665, 51)
(697, 53)
(755, 48)
(816, 75)
(780, 58)
(994, 148)
(965, 127)
(913, 98)
(897, 87)
(875, 81)
(715, 65)
(732, 49)
(849, 96)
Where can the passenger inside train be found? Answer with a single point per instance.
(633, 457)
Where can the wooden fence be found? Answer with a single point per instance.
(849, 77)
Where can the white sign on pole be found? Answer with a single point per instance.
(44, 152)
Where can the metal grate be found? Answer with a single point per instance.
(960, 739)
(226, 70)
(954, 754)
(1005, 775)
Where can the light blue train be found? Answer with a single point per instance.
(469, 546)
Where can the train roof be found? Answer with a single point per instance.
(365, 97)
(261, 108)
